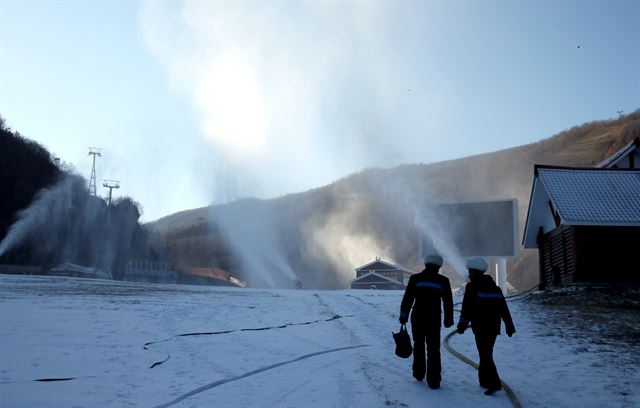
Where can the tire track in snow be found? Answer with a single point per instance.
(365, 367)
(373, 319)
(377, 307)
(369, 369)
(253, 372)
(328, 302)
(372, 325)
(391, 363)
(331, 310)
(291, 389)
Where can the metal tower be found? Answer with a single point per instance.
(110, 184)
(93, 151)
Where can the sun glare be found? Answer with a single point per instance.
(234, 108)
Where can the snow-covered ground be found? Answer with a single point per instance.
(271, 348)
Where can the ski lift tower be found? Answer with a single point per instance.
(110, 184)
(93, 151)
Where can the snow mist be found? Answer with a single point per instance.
(48, 207)
(253, 234)
(65, 224)
(408, 201)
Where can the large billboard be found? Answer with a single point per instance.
(482, 228)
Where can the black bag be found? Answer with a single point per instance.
(403, 342)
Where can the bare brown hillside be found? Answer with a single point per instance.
(320, 235)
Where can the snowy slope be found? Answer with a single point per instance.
(266, 348)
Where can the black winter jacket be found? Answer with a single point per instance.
(484, 306)
(424, 292)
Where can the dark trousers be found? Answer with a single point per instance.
(487, 372)
(429, 336)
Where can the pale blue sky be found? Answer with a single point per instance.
(203, 102)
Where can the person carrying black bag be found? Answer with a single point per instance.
(425, 291)
(483, 306)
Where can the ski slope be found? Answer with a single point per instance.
(119, 344)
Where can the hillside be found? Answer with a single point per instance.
(317, 237)
(25, 168)
(48, 217)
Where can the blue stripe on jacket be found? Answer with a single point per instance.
(485, 295)
(429, 284)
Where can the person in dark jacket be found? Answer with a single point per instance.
(483, 306)
(425, 291)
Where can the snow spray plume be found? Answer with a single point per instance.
(64, 223)
(50, 201)
(253, 232)
(436, 239)
(379, 216)
(410, 200)
(426, 197)
(341, 237)
(319, 237)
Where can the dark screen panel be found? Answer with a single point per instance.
(480, 228)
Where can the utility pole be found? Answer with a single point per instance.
(93, 151)
(110, 184)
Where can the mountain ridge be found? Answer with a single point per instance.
(505, 173)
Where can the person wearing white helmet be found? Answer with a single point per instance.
(483, 306)
(424, 293)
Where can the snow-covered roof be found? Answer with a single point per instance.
(582, 196)
(380, 265)
(594, 196)
(631, 148)
(380, 278)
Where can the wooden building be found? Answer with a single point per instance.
(585, 223)
(379, 274)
